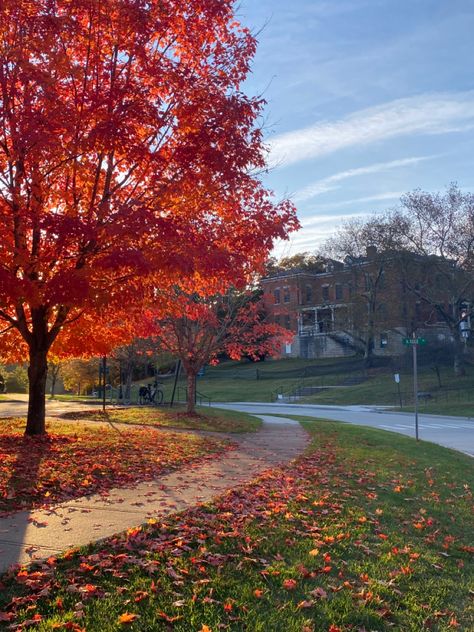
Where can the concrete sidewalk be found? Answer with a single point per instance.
(34, 535)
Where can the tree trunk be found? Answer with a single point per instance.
(37, 373)
(54, 379)
(128, 381)
(459, 360)
(191, 395)
(370, 341)
(53, 384)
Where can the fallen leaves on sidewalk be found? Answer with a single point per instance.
(74, 460)
(300, 549)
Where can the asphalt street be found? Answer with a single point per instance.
(451, 432)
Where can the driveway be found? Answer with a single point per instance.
(450, 432)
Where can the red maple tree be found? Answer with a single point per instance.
(128, 157)
(199, 329)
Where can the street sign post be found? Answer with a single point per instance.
(414, 342)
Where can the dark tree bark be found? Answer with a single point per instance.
(54, 370)
(459, 357)
(191, 395)
(37, 374)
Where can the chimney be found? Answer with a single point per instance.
(371, 252)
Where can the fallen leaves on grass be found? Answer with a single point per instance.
(74, 460)
(127, 618)
(295, 545)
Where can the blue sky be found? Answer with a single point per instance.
(367, 99)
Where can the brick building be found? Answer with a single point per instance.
(349, 308)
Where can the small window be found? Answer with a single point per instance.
(276, 295)
(308, 294)
(276, 319)
(325, 292)
(383, 341)
(286, 294)
(287, 322)
(338, 291)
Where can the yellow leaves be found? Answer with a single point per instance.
(126, 618)
(314, 552)
(133, 532)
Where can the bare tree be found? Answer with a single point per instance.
(439, 229)
(367, 246)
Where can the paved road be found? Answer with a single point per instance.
(18, 406)
(451, 432)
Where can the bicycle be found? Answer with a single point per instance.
(151, 394)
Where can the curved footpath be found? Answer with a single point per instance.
(34, 535)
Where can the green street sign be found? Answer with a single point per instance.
(409, 342)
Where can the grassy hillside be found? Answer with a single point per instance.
(342, 381)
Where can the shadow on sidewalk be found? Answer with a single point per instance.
(78, 521)
(22, 459)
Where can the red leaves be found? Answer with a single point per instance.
(323, 557)
(135, 170)
(290, 584)
(32, 472)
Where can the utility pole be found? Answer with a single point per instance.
(415, 381)
(414, 342)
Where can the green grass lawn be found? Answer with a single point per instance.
(363, 533)
(237, 381)
(440, 407)
(76, 460)
(207, 418)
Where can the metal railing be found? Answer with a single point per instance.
(200, 397)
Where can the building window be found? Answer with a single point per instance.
(286, 294)
(325, 292)
(276, 319)
(338, 291)
(383, 341)
(276, 295)
(308, 294)
(287, 322)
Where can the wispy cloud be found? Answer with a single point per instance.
(389, 195)
(330, 183)
(325, 219)
(425, 114)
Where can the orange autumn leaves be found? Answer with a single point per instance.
(303, 540)
(139, 154)
(33, 472)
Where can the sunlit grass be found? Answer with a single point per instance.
(210, 419)
(361, 533)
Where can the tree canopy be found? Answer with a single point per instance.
(128, 155)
